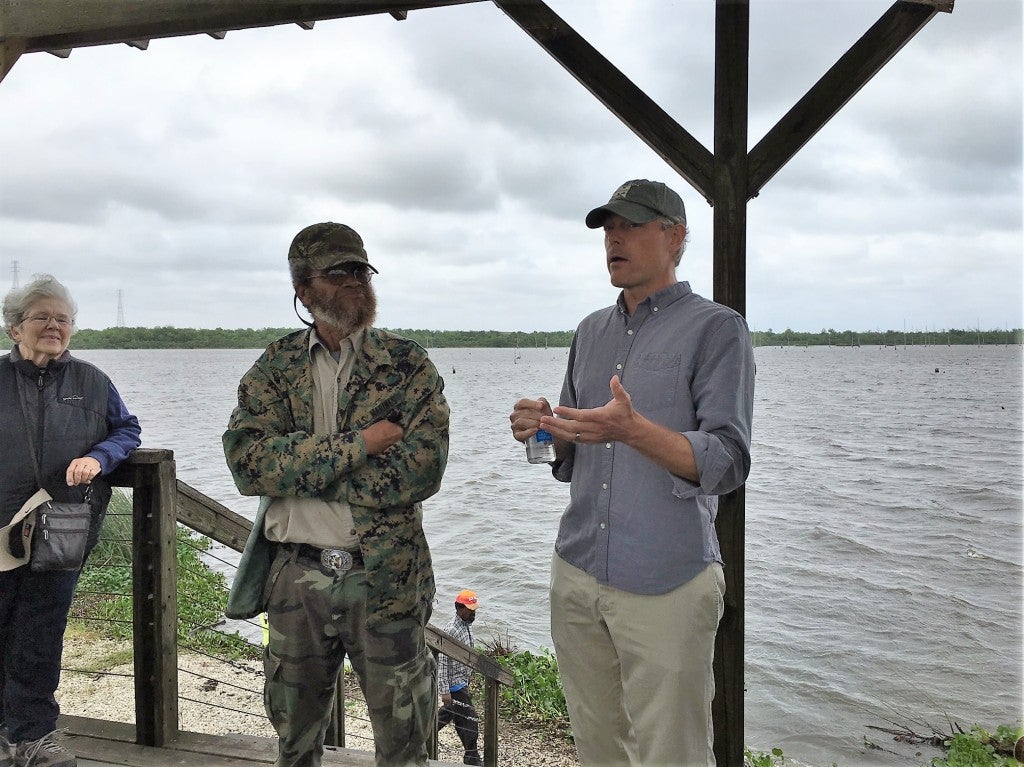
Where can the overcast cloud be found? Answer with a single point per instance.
(467, 158)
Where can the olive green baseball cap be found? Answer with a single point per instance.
(640, 201)
(324, 245)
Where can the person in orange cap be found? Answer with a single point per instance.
(453, 681)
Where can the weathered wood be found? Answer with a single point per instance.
(10, 50)
(491, 723)
(837, 86)
(445, 643)
(683, 153)
(97, 740)
(155, 602)
(210, 518)
(729, 228)
(46, 24)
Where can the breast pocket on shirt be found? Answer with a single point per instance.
(652, 380)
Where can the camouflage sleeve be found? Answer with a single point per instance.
(267, 455)
(411, 470)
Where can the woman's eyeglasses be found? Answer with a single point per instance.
(44, 320)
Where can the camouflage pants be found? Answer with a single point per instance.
(315, 618)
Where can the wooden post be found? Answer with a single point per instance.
(732, 37)
(491, 723)
(155, 596)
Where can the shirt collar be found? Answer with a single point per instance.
(660, 300)
(355, 340)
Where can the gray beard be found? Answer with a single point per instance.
(349, 317)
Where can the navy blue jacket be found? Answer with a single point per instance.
(72, 410)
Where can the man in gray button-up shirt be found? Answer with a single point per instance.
(653, 425)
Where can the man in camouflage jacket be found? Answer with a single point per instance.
(337, 556)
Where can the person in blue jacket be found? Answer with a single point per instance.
(69, 414)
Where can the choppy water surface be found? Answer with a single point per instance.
(884, 536)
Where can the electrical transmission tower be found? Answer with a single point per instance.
(15, 266)
(120, 308)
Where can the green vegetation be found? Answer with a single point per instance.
(104, 595)
(980, 748)
(761, 759)
(248, 338)
(536, 696)
(832, 337)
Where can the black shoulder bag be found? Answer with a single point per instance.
(62, 527)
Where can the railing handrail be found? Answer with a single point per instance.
(150, 473)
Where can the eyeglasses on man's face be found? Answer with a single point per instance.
(341, 272)
(42, 320)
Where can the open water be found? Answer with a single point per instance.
(884, 524)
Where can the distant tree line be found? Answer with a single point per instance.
(832, 337)
(249, 338)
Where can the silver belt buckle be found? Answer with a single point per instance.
(338, 560)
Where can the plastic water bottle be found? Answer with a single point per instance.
(540, 448)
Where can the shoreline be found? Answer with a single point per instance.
(226, 697)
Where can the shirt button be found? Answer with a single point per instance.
(654, 309)
(604, 486)
(603, 525)
(629, 332)
(619, 366)
(607, 444)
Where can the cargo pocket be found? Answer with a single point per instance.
(280, 560)
(412, 711)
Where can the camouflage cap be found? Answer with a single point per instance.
(640, 201)
(324, 245)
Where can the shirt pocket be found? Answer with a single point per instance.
(652, 380)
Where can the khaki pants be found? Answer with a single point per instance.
(637, 670)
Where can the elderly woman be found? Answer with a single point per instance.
(71, 415)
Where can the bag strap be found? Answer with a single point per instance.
(28, 435)
(32, 449)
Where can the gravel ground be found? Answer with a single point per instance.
(226, 698)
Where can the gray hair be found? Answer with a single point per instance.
(19, 300)
(668, 223)
(300, 269)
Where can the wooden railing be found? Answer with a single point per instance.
(159, 502)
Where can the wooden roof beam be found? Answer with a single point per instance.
(837, 86)
(685, 154)
(10, 50)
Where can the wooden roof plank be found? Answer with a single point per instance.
(685, 154)
(53, 24)
(10, 51)
(836, 87)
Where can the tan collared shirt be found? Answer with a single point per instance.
(326, 524)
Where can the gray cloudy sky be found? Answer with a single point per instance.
(467, 158)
